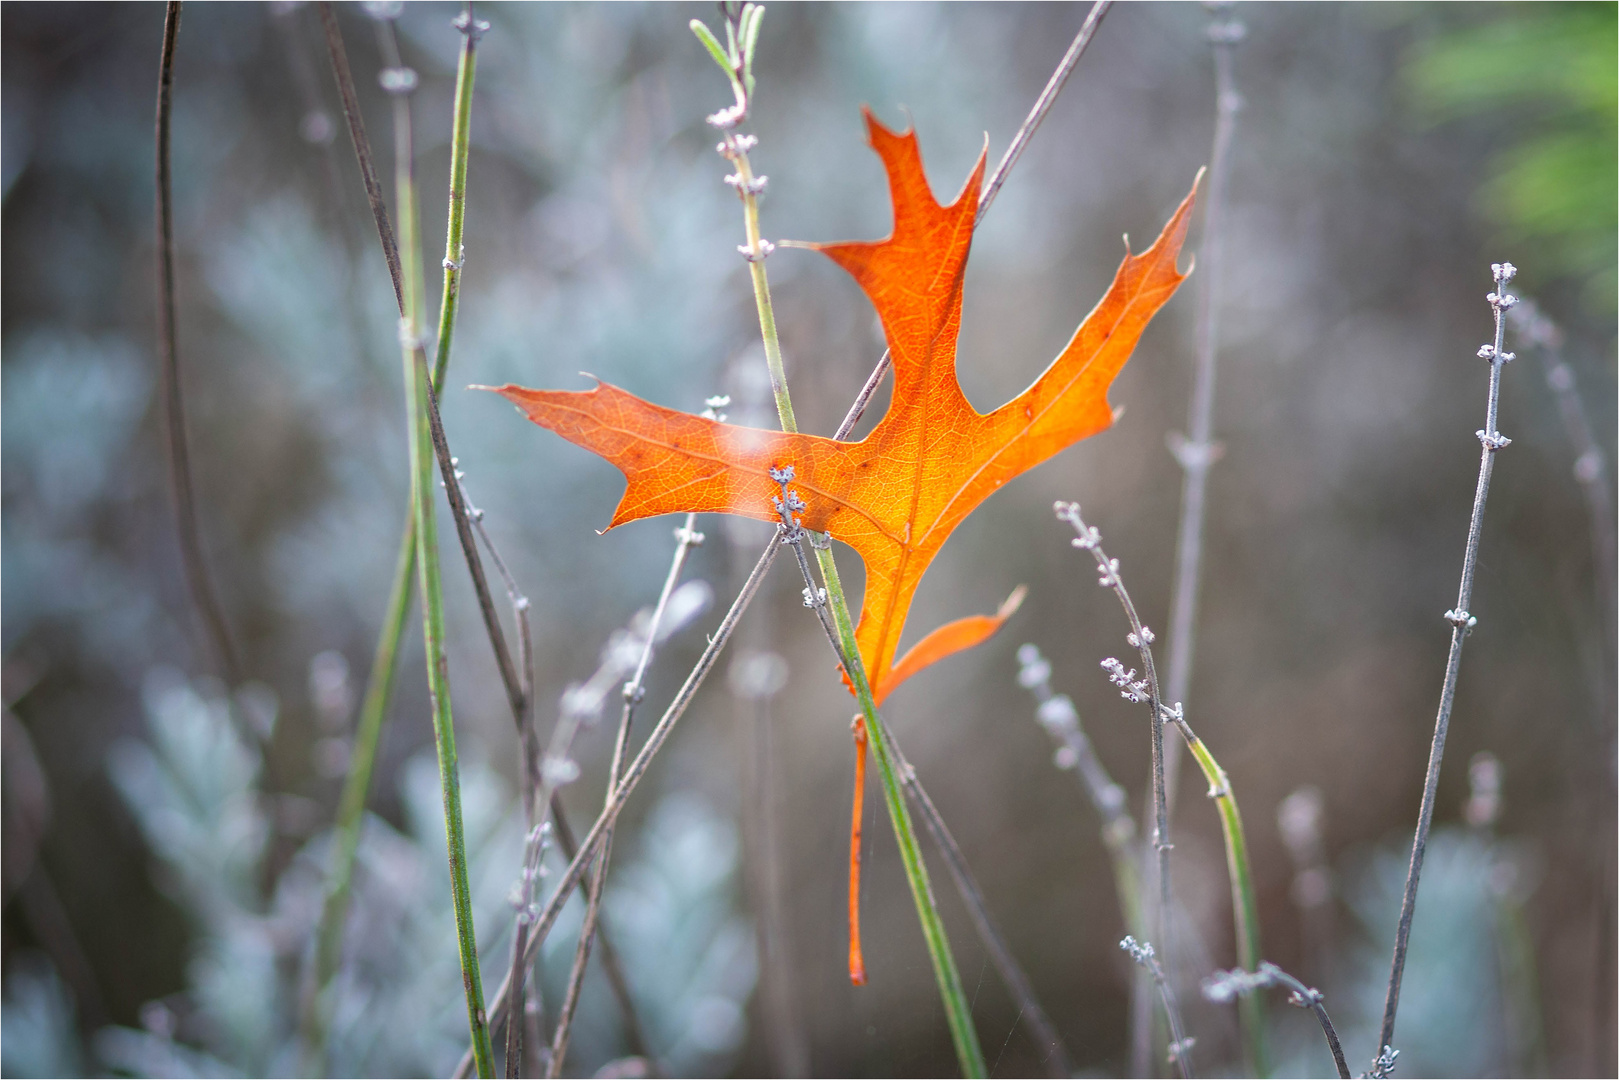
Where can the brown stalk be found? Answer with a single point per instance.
(185, 507)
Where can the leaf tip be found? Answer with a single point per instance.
(1010, 605)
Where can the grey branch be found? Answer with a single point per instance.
(1223, 986)
(1462, 623)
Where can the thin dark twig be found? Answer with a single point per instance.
(1042, 105)
(1222, 986)
(529, 762)
(633, 775)
(1198, 450)
(1020, 141)
(469, 547)
(634, 1037)
(686, 537)
(185, 506)
(1180, 1047)
(1462, 623)
(362, 147)
(1058, 1062)
(1143, 690)
(524, 717)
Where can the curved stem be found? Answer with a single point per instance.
(185, 507)
(1244, 905)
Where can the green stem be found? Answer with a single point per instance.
(761, 295)
(351, 804)
(957, 1010)
(379, 686)
(460, 146)
(427, 566)
(1244, 907)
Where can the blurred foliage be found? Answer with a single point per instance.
(1550, 187)
(195, 785)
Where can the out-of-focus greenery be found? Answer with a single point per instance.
(1550, 187)
(195, 785)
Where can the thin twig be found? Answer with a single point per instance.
(588, 847)
(185, 506)
(582, 705)
(362, 146)
(1142, 690)
(1042, 105)
(686, 538)
(1057, 1061)
(1222, 986)
(1462, 623)
(1198, 450)
(450, 478)
(635, 1039)
(1020, 141)
(1244, 905)
(1180, 1047)
(523, 715)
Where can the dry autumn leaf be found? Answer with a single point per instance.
(896, 495)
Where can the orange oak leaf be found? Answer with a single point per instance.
(896, 495)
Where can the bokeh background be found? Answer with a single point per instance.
(162, 871)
